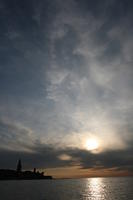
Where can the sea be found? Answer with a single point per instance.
(68, 189)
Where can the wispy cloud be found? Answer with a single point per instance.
(66, 75)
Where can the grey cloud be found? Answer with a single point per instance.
(105, 72)
(66, 67)
(44, 157)
(35, 153)
(48, 157)
(15, 137)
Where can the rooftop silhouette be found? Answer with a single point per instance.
(19, 174)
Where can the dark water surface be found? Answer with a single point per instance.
(72, 189)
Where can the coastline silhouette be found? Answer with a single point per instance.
(18, 174)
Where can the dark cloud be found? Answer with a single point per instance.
(113, 9)
(18, 142)
(23, 53)
(66, 69)
(48, 157)
(14, 136)
(121, 159)
(21, 143)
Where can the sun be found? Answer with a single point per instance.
(92, 144)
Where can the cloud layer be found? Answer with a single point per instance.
(66, 75)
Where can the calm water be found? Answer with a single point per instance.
(82, 189)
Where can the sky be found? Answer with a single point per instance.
(66, 78)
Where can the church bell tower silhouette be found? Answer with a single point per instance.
(19, 166)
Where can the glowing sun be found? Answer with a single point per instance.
(92, 144)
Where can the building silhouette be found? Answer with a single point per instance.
(18, 174)
(34, 170)
(19, 166)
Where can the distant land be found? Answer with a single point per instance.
(18, 174)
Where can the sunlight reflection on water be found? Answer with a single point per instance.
(94, 189)
(72, 189)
